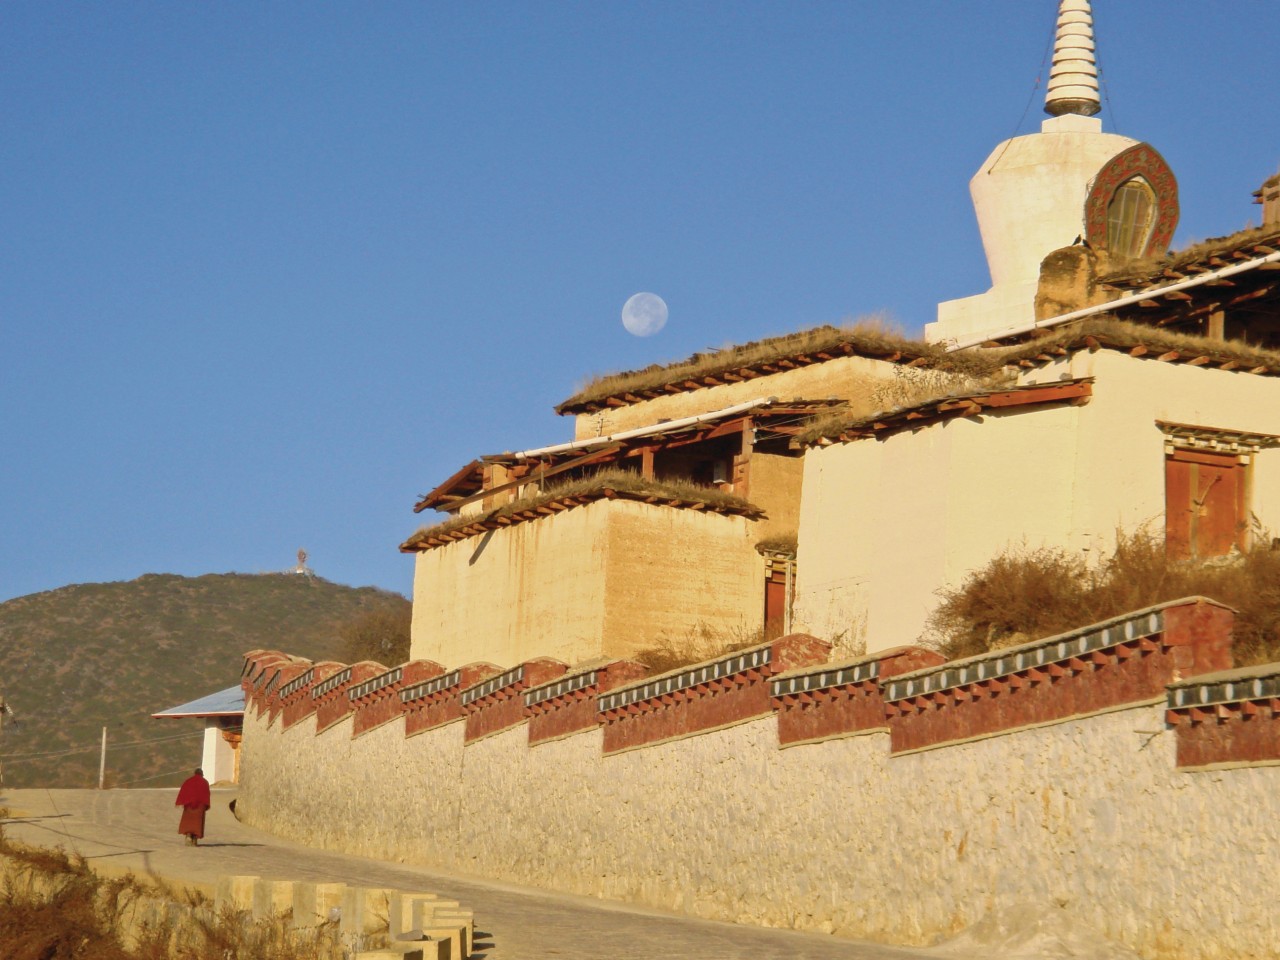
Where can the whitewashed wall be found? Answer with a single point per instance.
(1087, 816)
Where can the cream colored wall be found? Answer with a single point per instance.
(534, 589)
(775, 486)
(1125, 451)
(885, 524)
(598, 579)
(673, 572)
(844, 377)
(1087, 819)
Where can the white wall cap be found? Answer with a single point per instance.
(1071, 123)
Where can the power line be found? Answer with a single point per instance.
(175, 773)
(9, 758)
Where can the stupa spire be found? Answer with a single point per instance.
(1073, 79)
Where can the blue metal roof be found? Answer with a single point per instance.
(228, 702)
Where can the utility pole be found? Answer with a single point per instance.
(102, 762)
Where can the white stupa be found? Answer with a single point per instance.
(1030, 195)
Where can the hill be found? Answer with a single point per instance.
(82, 657)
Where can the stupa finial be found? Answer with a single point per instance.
(1073, 79)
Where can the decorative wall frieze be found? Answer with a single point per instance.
(1227, 719)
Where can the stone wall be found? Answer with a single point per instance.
(1079, 807)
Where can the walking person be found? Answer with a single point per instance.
(193, 797)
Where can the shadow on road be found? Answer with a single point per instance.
(204, 844)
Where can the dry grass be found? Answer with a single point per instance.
(53, 907)
(873, 336)
(624, 481)
(699, 644)
(1120, 334)
(1025, 595)
(979, 370)
(905, 393)
(785, 543)
(1147, 268)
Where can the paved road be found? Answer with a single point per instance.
(137, 830)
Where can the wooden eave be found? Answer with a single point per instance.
(464, 482)
(430, 539)
(737, 374)
(784, 418)
(1069, 392)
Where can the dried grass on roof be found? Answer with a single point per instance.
(1150, 267)
(623, 481)
(987, 369)
(1125, 335)
(906, 393)
(872, 335)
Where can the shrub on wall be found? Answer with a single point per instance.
(1025, 594)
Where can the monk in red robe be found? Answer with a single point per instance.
(193, 798)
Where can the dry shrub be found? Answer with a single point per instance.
(50, 906)
(53, 907)
(380, 635)
(1027, 594)
(785, 542)
(698, 644)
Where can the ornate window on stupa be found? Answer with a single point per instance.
(1130, 217)
(1132, 208)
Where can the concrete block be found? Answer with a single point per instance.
(235, 892)
(421, 912)
(313, 902)
(457, 935)
(400, 910)
(272, 898)
(460, 928)
(365, 910)
(417, 950)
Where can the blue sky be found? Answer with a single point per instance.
(270, 271)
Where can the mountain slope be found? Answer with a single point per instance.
(82, 657)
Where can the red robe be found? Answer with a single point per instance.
(193, 797)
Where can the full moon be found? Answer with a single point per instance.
(644, 314)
